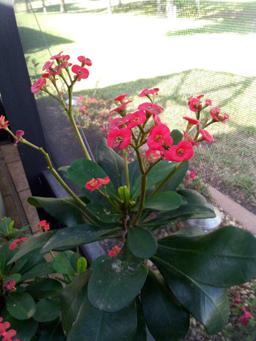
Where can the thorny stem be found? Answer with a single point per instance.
(54, 172)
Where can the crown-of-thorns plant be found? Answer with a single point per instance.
(143, 282)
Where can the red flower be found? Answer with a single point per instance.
(146, 92)
(207, 102)
(17, 242)
(82, 109)
(117, 122)
(195, 103)
(247, 315)
(38, 85)
(3, 122)
(9, 285)
(19, 134)
(191, 120)
(114, 251)
(7, 335)
(151, 108)
(84, 61)
(180, 152)
(135, 119)
(206, 136)
(81, 72)
(119, 138)
(96, 183)
(60, 57)
(153, 155)
(217, 116)
(121, 97)
(44, 225)
(159, 137)
(121, 108)
(47, 66)
(189, 138)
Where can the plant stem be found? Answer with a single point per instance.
(74, 125)
(142, 197)
(126, 169)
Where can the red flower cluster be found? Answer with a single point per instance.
(17, 242)
(9, 285)
(3, 122)
(7, 335)
(96, 183)
(196, 105)
(245, 317)
(158, 139)
(57, 66)
(114, 251)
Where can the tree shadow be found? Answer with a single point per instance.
(34, 40)
(226, 18)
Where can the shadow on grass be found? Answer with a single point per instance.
(34, 40)
(229, 164)
(178, 81)
(224, 18)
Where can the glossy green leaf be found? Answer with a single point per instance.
(70, 237)
(21, 306)
(207, 304)
(97, 325)
(176, 177)
(72, 296)
(164, 201)
(165, 317)
(110, 161)
(40, 270)
(33, 243)
(115, 282)
(141, 242)
(62, 264)
(42, 288)
(64, 210)
(176, 135)
(215, 258)
(46, 310)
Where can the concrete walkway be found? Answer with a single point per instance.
(236, 211)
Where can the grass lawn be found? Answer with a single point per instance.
(229, 164)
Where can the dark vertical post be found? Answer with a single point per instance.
(17, 99)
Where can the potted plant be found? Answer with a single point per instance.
(129, 190)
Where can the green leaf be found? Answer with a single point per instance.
(176, 177)
(176, 135)
(45, 288)
(81, 265)
(40, 270)
(14, 276)
(165, 317)
(70, 237)
(141, 334)
(141, 242)
(21, 306)
(214, 259)
(110, 161)
(72, 297)
(46, 310)
(115, 282)
(208, 304)
(64, 210)
(164, 201)
(33, 243)
(6, 226)
(62, 264)
(97, 325)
